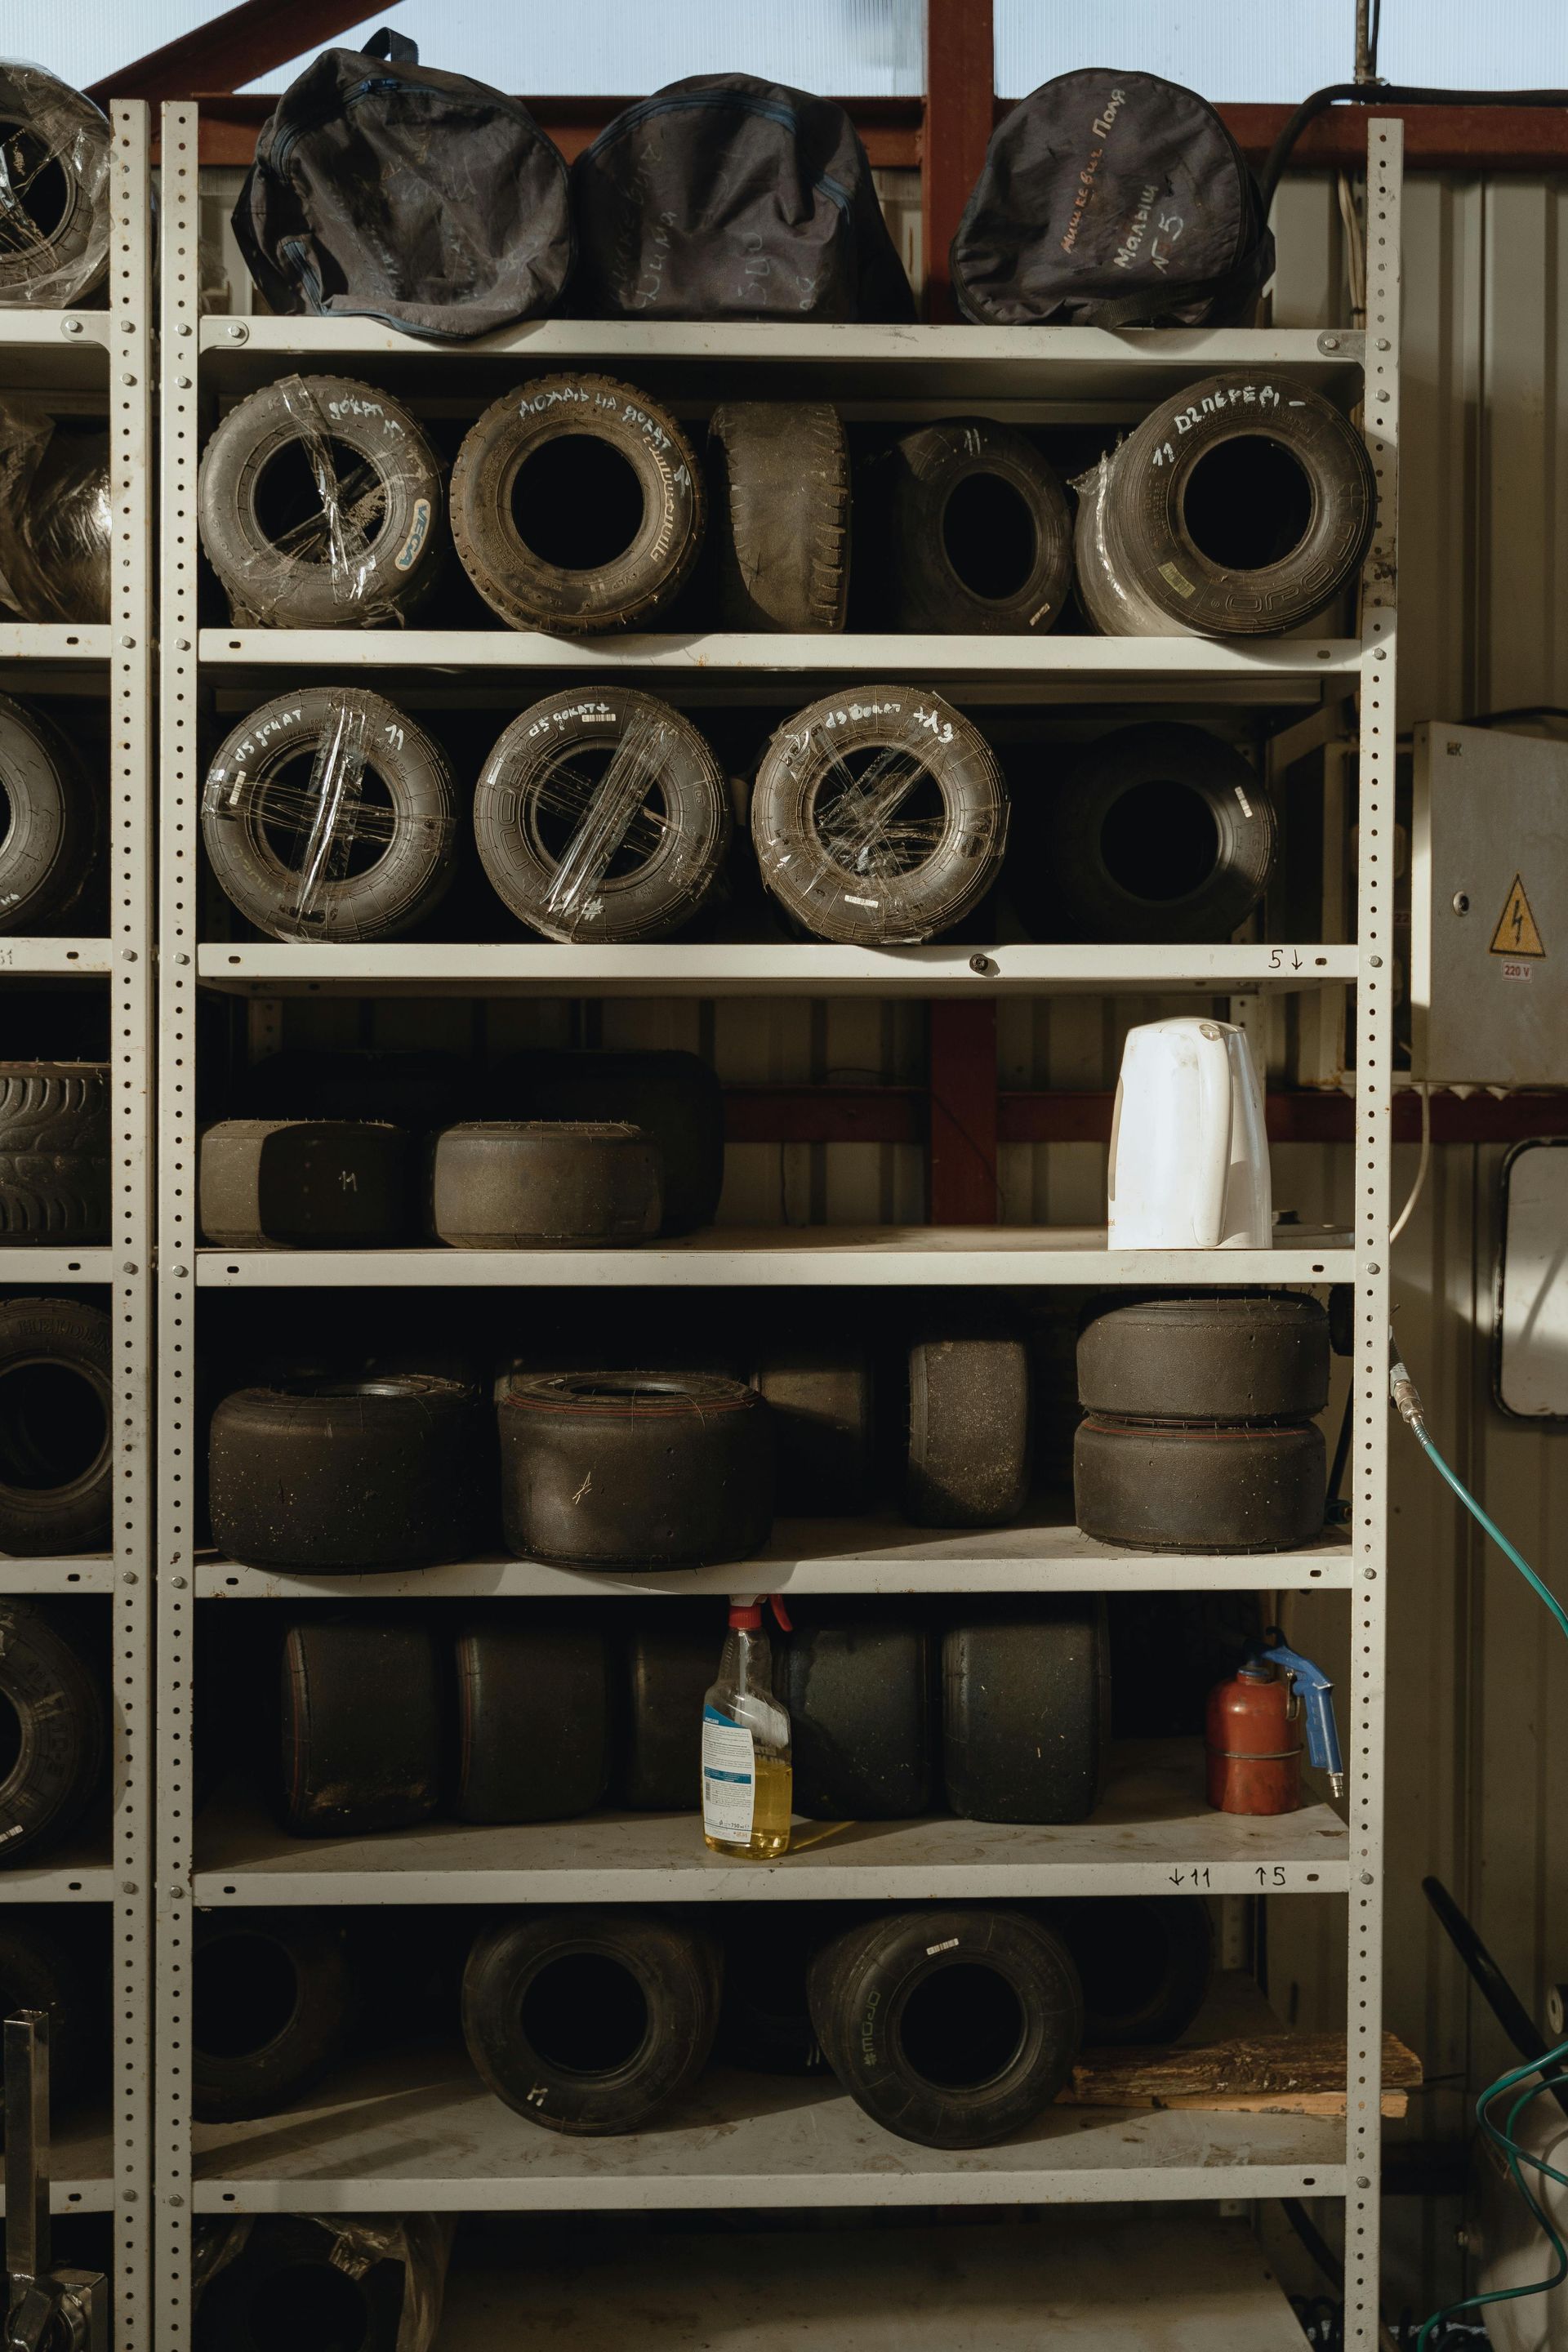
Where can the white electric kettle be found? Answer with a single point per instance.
(1189, 1156)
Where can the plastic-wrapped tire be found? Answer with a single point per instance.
(1153, 833)
(594, 539)
(553, 1183)
(673, 1096)
(389, 895)
(1027, 1711)
(349, 1476)
(951, 2027)
(981, 531)
(54, 1151)
(671, 1659)
(57, 1452)
(874, 873)
(781, 515)
(257, 501)
(57, 146)
(299, 1183)
(53, 838)
(859, 1690)
(970, 1428)
(271, 2004)
(635, 1469)
(363, 1724)
(534, 1718)
(590, 2020)
(1226, 1357)
(1240, 507)
(530, 810)
(1145, 1963)
(45, 1963)
(764, 2018)
(822, 1396)
(1186, 1488)
(56, 1697)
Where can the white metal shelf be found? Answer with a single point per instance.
(1154, 1832)
(86, 1572)
(1084, 2283)
(39, 959)
(722, 1256)
(418, 2131)
(786, 968)
(868, 1555)
(76, 1880)
(54, 641)
(24, 1264)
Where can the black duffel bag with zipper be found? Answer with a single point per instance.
(726, 197)
(1113, 200)
(383, 189)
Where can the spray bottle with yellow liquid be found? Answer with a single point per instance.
(746, 1777)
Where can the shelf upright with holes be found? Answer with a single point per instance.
(346, 2150)
(90, 992)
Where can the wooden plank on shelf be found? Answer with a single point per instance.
(1255, 2074)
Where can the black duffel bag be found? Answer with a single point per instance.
(382, 189)
(1113, 200)
(726, 197)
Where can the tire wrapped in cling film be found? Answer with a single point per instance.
(52, 845)
(327, 814)
(577, 505)
(982, 538)
(321, 506)
(55, 516)
(57, 1453)
(781, 523)
(54, 217)
(879, 818)
(602, 816)
(373, 2280)
(1239, 508)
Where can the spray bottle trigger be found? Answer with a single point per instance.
(780, 1613)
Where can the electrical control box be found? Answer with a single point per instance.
(1489, 908)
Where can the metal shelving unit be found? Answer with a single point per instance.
(99, 360)
(350, 2149)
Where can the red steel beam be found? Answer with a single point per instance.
(961, 1166)
(238, 46)
(961, 107)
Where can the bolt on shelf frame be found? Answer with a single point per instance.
(108, 2172)
(1160, 2159)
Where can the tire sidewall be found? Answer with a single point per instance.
(931, 466)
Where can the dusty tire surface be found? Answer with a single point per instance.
(971, 1414)
(781, 515)
(251, 802)
(363, 1720)
(535, 1718)
(349, 1475)
(54, 1151)
(859, 1688)
(57, 1453)
(981, 531)
(566, 586)
(951, 2027)
(547, 1183)
(295, 1184)
(264, 523)
(272, 1999)
(539, 797)
(590, 2020)
(669, 1667)
(53, 839)
(1027, 1711)
(1223, 1487)
(878, 817)
(1223, 1357)
(54, 1692)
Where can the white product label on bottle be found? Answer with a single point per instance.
(729, 1780)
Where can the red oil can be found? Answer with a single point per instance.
(1253, 1744)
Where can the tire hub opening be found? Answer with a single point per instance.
(576, 502)
(561, 802)
(585, 2014)
(40, 184)
(878, 813)
(988, 536)
(10, 1739)
(291, 512)
(54, 1427)
(311, 2307)
(962, 2027)
(1159, 841)
(285, 812)
(1248, 503)
(247, 1991)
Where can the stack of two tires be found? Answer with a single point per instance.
(1198, 1432)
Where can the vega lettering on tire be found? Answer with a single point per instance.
(878, 817)
(540, 786)
(644, 482)
(51, 822)
(256, 820)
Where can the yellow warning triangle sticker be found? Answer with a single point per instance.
(1516, 934)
